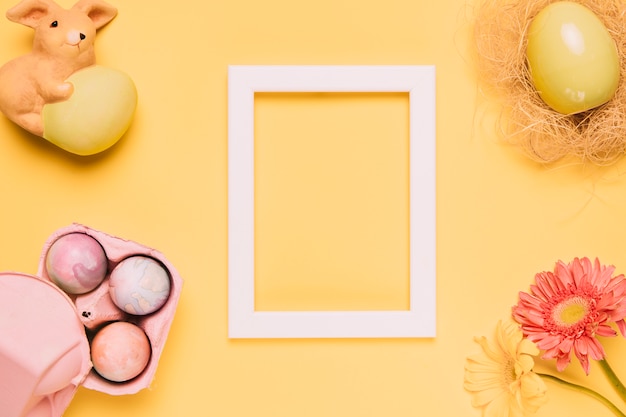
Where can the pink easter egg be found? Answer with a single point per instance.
(77, 263)
(120, 351)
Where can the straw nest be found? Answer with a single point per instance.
(597, 136)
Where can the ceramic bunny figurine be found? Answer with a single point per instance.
(63, 43)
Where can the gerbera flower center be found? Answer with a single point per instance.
(508, 373)
(571, 311)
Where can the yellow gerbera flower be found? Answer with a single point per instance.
(500, 378)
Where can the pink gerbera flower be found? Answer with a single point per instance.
(566, 310)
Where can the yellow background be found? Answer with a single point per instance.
(332, 209)
(500, 218)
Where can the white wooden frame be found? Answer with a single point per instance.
(419, 319)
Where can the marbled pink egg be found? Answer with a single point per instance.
(139, 285)
(120, 351)
(77, 263)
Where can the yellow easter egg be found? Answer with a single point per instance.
(97, 114)
(573, 60)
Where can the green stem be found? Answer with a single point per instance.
(613, 379)
(587, 391)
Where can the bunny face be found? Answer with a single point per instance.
(59, 32)
(65, 34)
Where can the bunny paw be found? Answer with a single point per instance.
(65, 90)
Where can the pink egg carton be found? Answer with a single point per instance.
(96, 308)
(46, 333)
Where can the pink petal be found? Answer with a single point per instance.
(548, 342)
(562, 362)
(576, 271)
(544, 287)
(596, 351)
(584, 362)
(606, 331)
(566, 345)
(526, 298)
(555, 282)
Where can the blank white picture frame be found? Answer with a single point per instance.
(419, 321)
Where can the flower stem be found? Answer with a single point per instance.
(587, 391)
(613, 379)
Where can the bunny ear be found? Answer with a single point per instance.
(98, 11)
(30, 12)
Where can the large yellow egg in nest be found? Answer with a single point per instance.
(97, 114)
(556, 71)
(572, 58)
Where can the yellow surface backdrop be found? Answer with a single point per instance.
(500, 218)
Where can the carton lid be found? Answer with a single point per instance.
(44, 352)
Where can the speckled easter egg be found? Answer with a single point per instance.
(120, 351)
(139, 285)
(77, 263)
(97, 114)
(573, 60)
